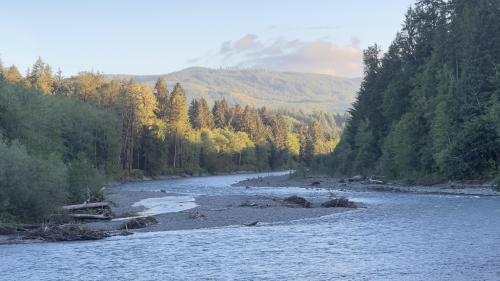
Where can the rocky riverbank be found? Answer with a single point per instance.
(214, 211)
(361, 184)
(147, 211)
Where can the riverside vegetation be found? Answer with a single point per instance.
(63, 138)
(429, 109)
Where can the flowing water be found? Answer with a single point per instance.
(398, 237)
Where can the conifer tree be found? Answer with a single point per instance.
(40, 77)
(162, 95)
(221, 114)
(13, 75)
(178, 122)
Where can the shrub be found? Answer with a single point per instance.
(30, 187)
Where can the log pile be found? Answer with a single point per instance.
(89, 211)
(67, 232)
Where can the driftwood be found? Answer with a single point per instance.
(86, 206)
(356, 178)
(254, 223)
(90, 216)
(71, 232)
(373, 181)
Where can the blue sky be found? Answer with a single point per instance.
(153, 37)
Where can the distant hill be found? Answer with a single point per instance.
(258, 88)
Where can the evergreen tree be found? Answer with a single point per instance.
(200, 115)
(425, 107)
(40, 77)
(13, 75)
(162, 95)
(178, 122)
(221, 114)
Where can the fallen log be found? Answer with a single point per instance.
(86, 206)
(356, 178)
(90, 216)
(373, 181)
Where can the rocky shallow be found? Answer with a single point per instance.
(361, 184)
(219, 211)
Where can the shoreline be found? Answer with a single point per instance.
(211, 211)
(363, 186)
(181, 176)
(208, 211)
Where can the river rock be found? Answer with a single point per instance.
(297, 200)
(341, 202)
(356, 178)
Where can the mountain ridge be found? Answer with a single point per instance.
(260, 87)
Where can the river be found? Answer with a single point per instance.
(400, 236)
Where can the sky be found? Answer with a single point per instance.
(156, 37)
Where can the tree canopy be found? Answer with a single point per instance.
(427, 109)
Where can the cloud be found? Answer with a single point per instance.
(247, 42)
(225, 47)
(318, 56)
(355, 41)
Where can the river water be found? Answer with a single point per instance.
(398, 237)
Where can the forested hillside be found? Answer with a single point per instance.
(62, 138)
(257, 88)
(428, 109)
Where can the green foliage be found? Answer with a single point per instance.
(57, 145)
(31, 187)
(84, 181)
(428, 110)
(75, 133)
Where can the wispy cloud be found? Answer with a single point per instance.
(321, 27)
(318, 56)
(193, 60)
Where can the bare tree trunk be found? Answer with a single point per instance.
(175, 150)
(180, 154)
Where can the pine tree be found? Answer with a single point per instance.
(221, 114)
(40, 77)
(200, 115)
(13, 75)
(162, 95)
(60, 85)
(178, 122)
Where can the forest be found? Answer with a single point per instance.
(63, 138)
(428, 110)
